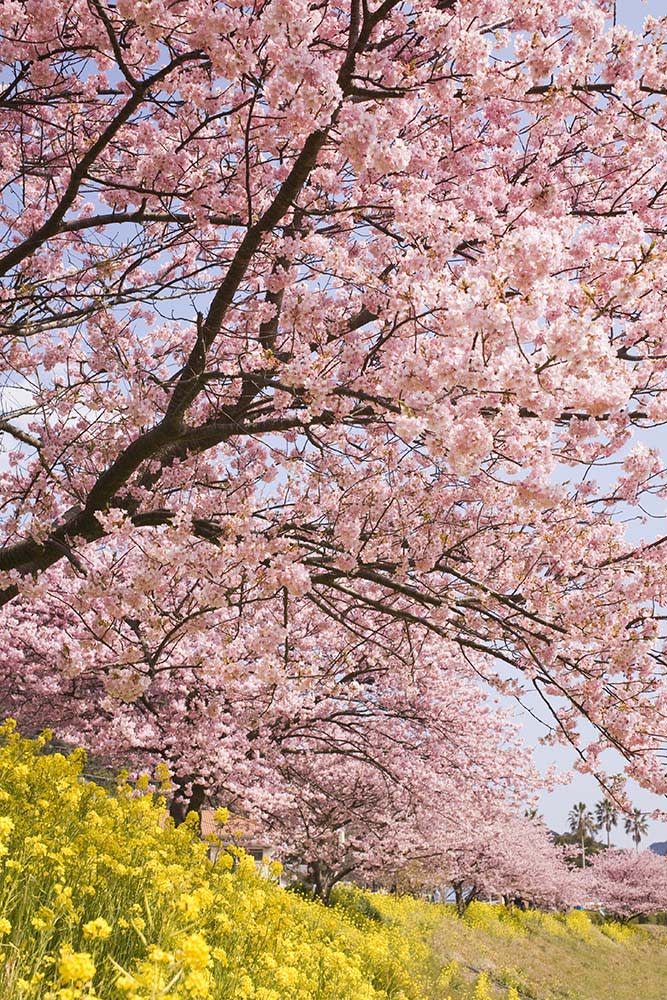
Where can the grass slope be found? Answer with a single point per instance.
(540, 956)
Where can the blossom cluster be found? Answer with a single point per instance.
(324, 331)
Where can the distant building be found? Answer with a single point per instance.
(246, 834)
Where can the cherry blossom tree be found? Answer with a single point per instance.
(344, 765)
(629, 884)
(497, 853)
(305, 310)
(395, 790)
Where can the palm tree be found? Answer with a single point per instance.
(606, 817)
(582, 825)
(636, 826)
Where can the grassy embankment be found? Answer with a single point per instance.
(99, 899)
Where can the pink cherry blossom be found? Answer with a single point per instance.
(330, 338)
(629, 884)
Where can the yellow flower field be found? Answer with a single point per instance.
(101, 898)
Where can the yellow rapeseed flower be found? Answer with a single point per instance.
(157, 954)
(245, 988)
(125, 982)
(221, 816)
(75, 966)
(201, 929)
(97, 929)
(194, 952)
(197, 983)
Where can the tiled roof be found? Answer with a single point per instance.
(243, 831)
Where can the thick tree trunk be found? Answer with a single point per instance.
(181, 803)
(323, 881)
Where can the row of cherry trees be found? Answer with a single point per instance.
(318, 322)
(519, 864)
(619, 884)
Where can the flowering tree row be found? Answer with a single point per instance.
(516, 860)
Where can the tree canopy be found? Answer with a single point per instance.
(318, 322)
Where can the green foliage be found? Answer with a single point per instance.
(355, 903)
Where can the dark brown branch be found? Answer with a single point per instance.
(140, 216)
(51, 227)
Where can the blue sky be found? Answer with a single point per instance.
(633, 12)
